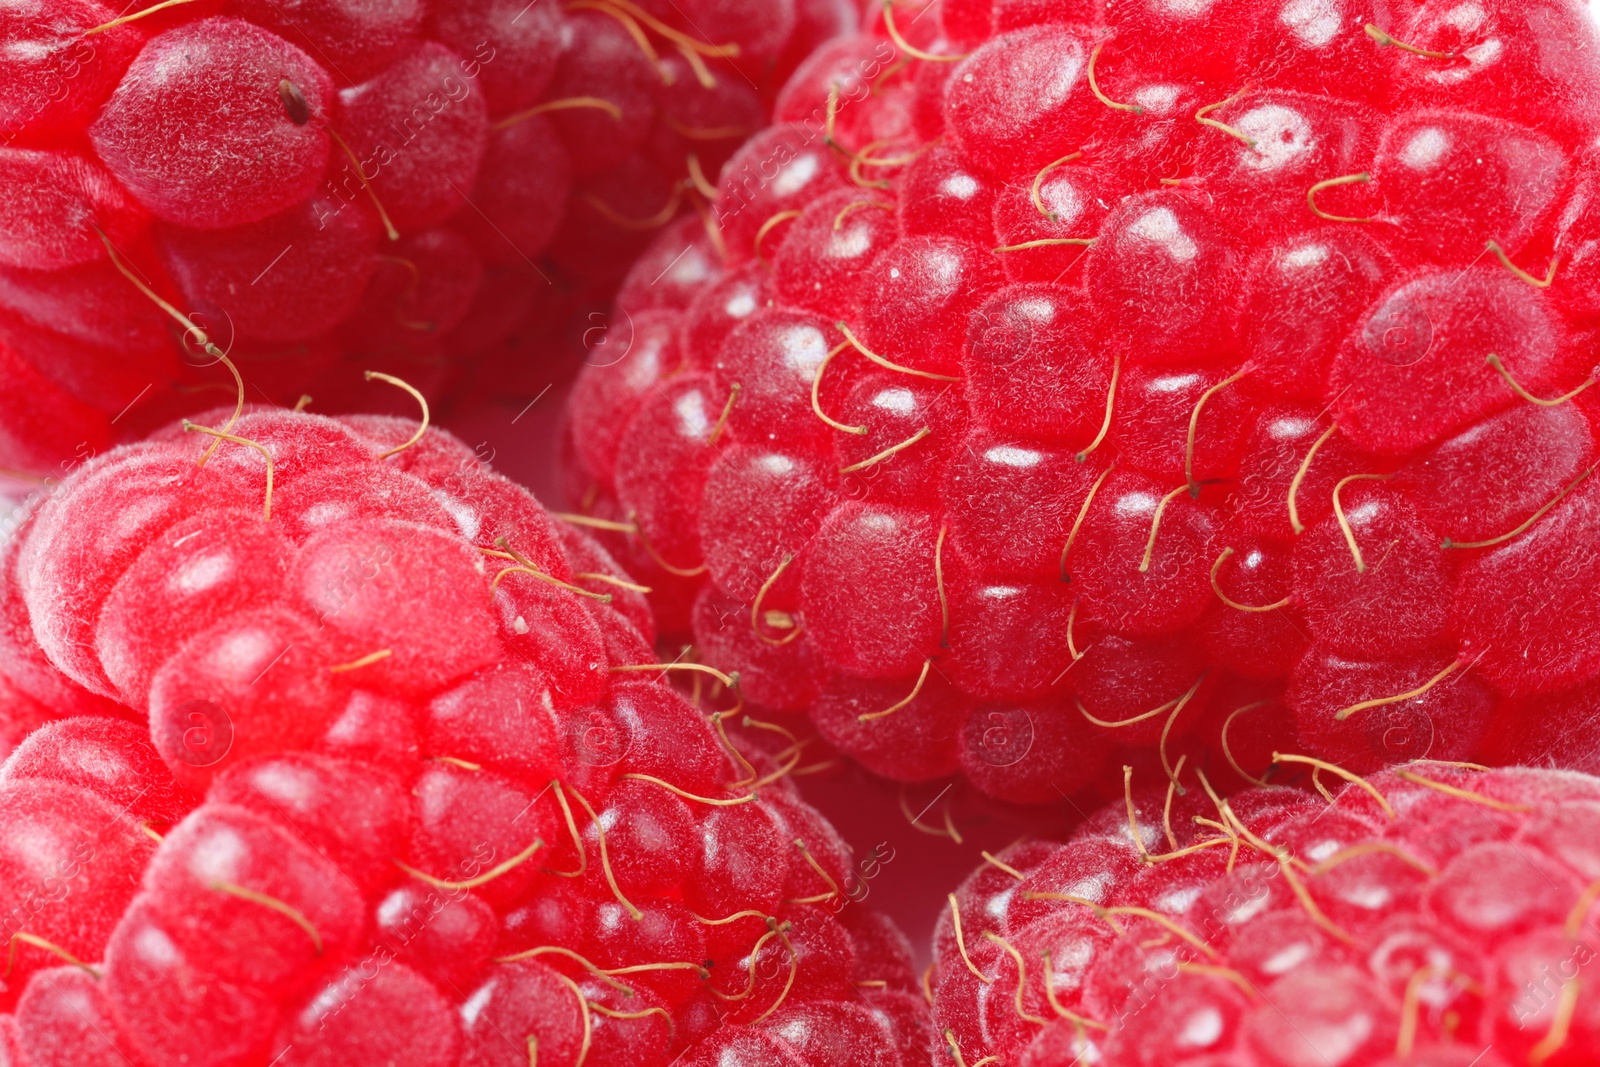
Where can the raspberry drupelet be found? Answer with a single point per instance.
(368, 760)
(1431, 914)
(1171, 378)
(326, 184)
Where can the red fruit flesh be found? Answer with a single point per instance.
(1441, 924)
(401, 795)
(61, 195)
(326, 260)
(56, 79)
(1115, 368)
(419, 167)
(351, 39)
(229, 70)
(35, 689)
(70, 864)
(333, 176)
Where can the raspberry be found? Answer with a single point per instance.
(70, 860)
(1433, 913)
(393, 777)
(319, 184)
(32, 690)
(1075, 377)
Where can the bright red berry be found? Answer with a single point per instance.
(1103, 373)
(396, 779)
(316, 185)
(33, 690)
(216, 78)
(1430, 914)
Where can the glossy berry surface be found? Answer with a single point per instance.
(322, 185)
(1429, 914)
(334, 747)
(1089, 382)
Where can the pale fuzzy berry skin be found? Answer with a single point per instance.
(1453, 928)
(324, 186)
(984, 526)
(32, 690)
(305, 838)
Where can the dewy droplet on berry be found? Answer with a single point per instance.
(1101, 372)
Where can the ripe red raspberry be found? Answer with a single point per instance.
(32, 691)
(1095, 374)
(1432, 914)
(313, 184)
(83, 797)
(449, 813)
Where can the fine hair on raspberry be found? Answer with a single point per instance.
(1087, 383)
(1434, 913)
(319, 187)
(363, 757)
